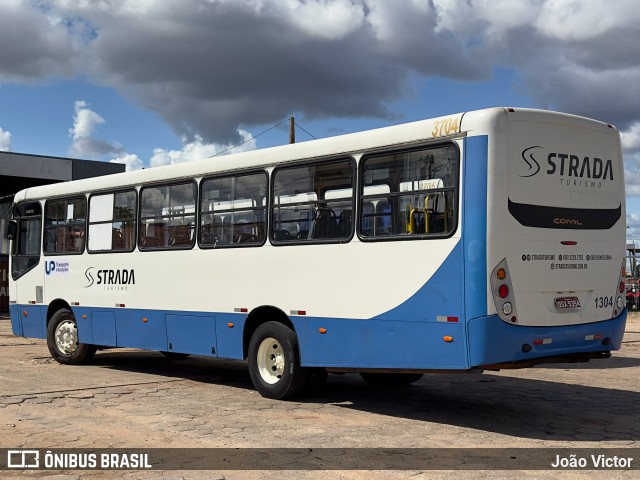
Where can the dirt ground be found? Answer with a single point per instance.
(133, 399)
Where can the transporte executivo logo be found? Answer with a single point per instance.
(566, 165)
(52, 267)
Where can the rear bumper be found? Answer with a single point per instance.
(496, 344)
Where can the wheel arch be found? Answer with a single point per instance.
(258, 316)
(56, 305)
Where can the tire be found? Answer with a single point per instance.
(62, 340)
(175, 355)
(274, 362)
(390, 379)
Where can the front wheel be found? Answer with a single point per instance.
(274, 362)
(62, 340)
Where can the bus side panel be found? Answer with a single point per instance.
(33, 320)
(142, 329)
(187, 332)
(103, 324)
(440, 296)
(194, 334)
(495, 341)
(84, 323)
(474, 221)
(417, 341)
(350, 343)
(229, 335)
(16, 323)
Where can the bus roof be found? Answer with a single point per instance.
(402, 135)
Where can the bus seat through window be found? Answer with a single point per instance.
(324, 224)
(344, 223)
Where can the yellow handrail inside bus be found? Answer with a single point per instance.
(411, 213)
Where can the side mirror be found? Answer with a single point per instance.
(12, 229)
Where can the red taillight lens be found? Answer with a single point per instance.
(621, 287)
(503, 291)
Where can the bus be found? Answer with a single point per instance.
(485, 240)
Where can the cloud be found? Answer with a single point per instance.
(633, 228)
(212, 67)
(35, 44)
(86, 120)
(198, 150)
(131, 160)
(580, 57)
(5, 140)
(83, 144)
(630, 139)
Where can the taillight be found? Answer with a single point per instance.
(502, 292)
(619, 303)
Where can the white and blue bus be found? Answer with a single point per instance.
(485, 240)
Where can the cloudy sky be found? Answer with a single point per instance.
(152, 82)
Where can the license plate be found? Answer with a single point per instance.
(567, 302)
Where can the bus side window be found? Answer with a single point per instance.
(167, 216)
(25, 253)
(233, 210)
(413, 192)
(313, 202)
(65, 225)
(112, 222)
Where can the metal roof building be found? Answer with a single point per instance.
(19, 171)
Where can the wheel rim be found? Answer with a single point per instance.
(271, 362)
(67, 337)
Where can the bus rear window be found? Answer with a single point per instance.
(410, 194)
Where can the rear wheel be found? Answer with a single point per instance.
(390, 379)
(62, 340)
(274, 362)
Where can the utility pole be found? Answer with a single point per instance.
(292, 130)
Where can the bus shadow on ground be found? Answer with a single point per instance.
(518, 407)
(203, 369)
(546, 410)
(600, 364)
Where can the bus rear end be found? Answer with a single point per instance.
(555, 242)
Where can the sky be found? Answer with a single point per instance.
(156, 82)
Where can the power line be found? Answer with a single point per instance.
(261, 133)
(249, 139)
(304, 130)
